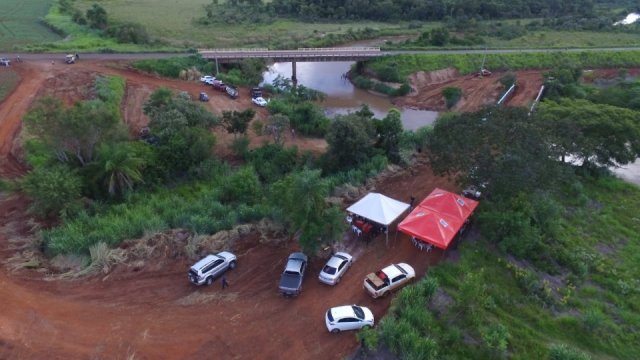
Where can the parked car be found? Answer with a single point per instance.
(259, 101)
(70, 59)
(293, 274)
(256, 92)
(335, 268)
(394, 276)
(349, 317)
(207, 79)
(203, 96)
(212, 266)
(219, 85)
(5, 62)
(231, 91)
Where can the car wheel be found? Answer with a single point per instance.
(209, 280)
(335, 331)
(232, 265)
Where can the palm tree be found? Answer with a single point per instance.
(117, 166)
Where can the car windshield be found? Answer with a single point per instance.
(401, 269)
(358, 311)
(329, 270)
(329, 316)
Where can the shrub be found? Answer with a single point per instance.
(171, 67)
(451, 95)
(54, 190)
(564, 352)
(496, 337)
(131, 33)
(242, 186)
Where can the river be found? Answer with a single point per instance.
(342, 96)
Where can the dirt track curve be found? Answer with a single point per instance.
(153, 312)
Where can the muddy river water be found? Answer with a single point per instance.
(342, 96)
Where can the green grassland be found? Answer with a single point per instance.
(20, 25)
(175, 22)
(8, 81)
(567, 39)
(493, 306)
(403, 65)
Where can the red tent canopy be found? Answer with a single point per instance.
(438, 218)
(429, 226)
(448, 203)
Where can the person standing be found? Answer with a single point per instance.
(225, 284)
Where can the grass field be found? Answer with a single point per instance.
(568, 39)
(493, 306)
(174, 21)
(8, 81)
(19, 24)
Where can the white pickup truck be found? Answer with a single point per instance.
(382, 282)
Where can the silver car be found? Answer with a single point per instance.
(212, 266)
(335, 268)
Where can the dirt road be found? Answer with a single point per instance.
(154, 313)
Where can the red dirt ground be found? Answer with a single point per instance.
(156, 314)
(476, 91)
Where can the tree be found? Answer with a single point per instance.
(390, 133)
(300, 196)
(97, 17)
(597, 134)
(276, 125)
(439, 36)
(117, 167)
(501, 148)
(73, 134)
(350, 140)
(236, 122)
(451, 95)
(55, 190)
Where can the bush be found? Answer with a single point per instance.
(242, 186)
(54, 190)
(129, 33)
(451, 95)
(563, 352)
(171, 67)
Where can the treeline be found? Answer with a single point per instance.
(400, 10)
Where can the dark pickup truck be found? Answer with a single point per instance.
(293, 274)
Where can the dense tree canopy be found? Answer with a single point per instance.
(392, 10)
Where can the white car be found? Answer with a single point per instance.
(260, 101)
(212, 266)
(383, 282)
(207, 79)
(335, 268)
(5, 62)
(348, 317)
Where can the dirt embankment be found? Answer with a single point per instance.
(476, 91)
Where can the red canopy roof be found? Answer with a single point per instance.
(438, 218)
(448, 203)
(434, 228)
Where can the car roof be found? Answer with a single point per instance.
(335, 261)
(340, 312)
(206, 260)
(392, 271)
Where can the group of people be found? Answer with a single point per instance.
(362, 226)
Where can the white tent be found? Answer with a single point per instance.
(379, 208)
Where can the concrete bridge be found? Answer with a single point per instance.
(299, 55)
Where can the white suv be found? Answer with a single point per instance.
(5, 62)
(212, 266)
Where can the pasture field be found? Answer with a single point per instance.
(8, 81)
(175, 22)
(567, 39)
(20, 25)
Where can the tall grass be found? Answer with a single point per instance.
(8, 81)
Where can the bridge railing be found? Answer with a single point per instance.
(345, 49)
(232, 50)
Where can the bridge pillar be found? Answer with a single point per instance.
(294, 77)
